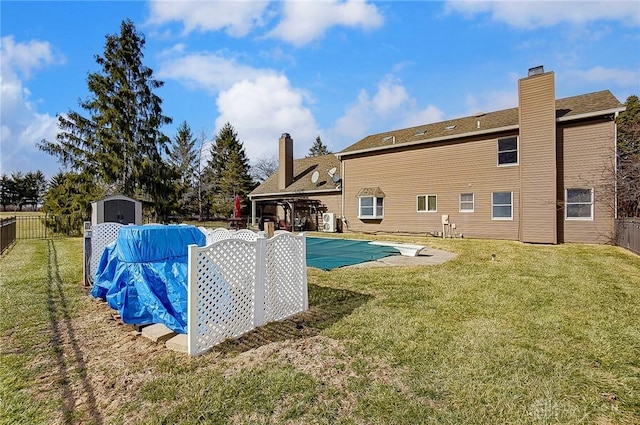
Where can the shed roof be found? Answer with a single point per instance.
(569, 108)
(303, 169)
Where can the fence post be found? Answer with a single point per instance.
(86, 265)
(192, 299)
(259, 305)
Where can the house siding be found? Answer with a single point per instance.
(445, 170)
(586, 160)
(537, 150)
(584, 154)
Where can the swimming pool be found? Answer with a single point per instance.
(330, 253)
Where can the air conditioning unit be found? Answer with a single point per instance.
(329, 222)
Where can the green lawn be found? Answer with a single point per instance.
(541, 335)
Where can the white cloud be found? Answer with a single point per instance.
(494, 100)
(22, 125)
(390, 107)
(305, 21)
(599, 74)
(27, 57)
(237, 18)
(210, 71)
(263, 108)
(542, 13)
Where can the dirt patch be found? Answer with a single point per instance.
(99, 365)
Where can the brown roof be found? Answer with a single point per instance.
(303, 169)
(566, 109)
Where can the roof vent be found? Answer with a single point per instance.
(421, 132)
(450, 127)
(536, 70)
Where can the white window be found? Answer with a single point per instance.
(508, 151)
(370, 207)
(427, 203)
(466, 202)
(579, 204)
(502, 206)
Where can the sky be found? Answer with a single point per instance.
(340, 70)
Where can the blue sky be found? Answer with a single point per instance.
(337, 69)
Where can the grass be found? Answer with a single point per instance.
(540, 335)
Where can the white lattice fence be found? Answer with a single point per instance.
(101, 236)
(286, 276)
(230, 281)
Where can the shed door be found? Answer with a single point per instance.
(120, 211)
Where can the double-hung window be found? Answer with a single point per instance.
(370, 207)
(427, 203)
(370, 203)
(579, 204)
(502, 206)
(508, 151)
(466, 202)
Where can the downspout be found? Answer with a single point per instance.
(615, 165)
(342, 209)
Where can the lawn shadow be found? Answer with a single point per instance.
(68, 354)
(326, 307)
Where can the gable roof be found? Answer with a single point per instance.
(567, 109)
(303, 169)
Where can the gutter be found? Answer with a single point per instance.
(591, 114)
(289, 194)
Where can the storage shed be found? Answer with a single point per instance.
(116, 209)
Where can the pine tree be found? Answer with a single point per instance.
(227, 172)
(318, 148)
(119, 143)
(183, 157)
(67, 202)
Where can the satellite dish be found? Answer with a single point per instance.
(332, 171)
(335, 178)
(315, 176)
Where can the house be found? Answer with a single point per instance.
(299, 193)
(541, 173)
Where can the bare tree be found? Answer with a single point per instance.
(628, 160)
(263, 168)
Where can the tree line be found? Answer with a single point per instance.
(115, 146)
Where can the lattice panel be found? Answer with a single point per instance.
(215, 235)
(245, 235)
(101, 236)
(224, 293)
(286, 276)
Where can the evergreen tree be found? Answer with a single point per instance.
(119, 143)
(318, 148)
(67, 202)
(628, 159)
(227, 172)
(183, 157)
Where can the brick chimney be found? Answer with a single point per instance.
(285, 161)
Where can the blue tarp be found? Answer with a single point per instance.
(143, 274)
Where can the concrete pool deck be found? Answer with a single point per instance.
(426, 257)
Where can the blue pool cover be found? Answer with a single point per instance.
(143, 274)
(328, 254)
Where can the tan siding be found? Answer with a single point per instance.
(537, 146)
(588, 154)
(443, 170)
